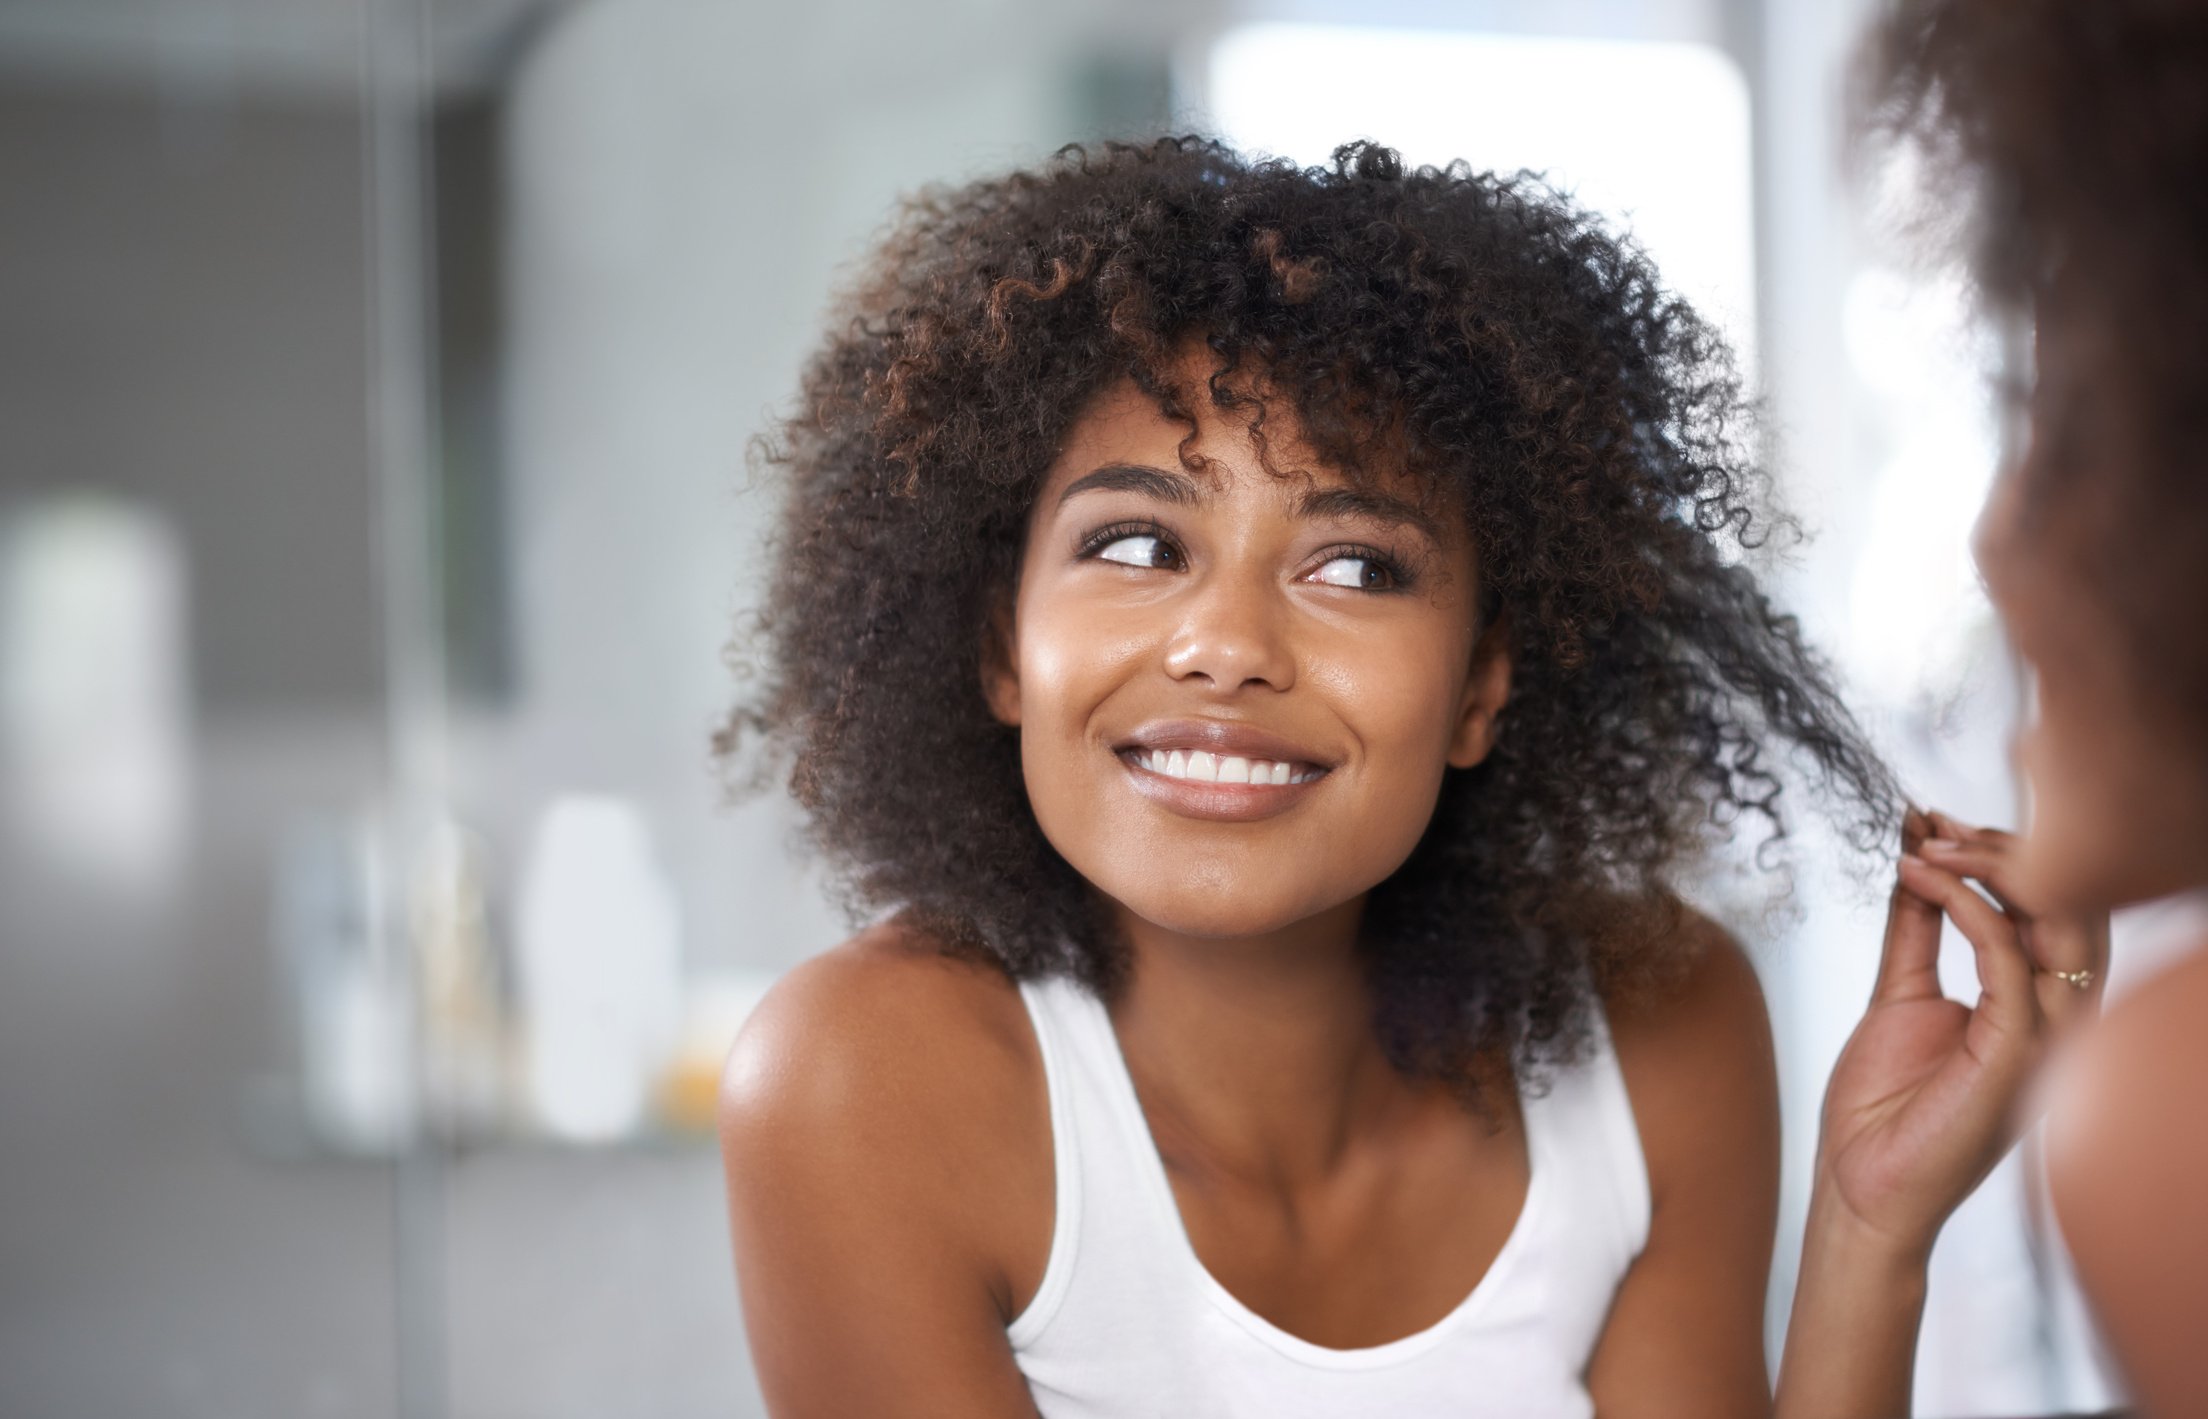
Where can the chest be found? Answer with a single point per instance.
(1390, 1242)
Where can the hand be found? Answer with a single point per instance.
(1924, 1099)
(2057, 945)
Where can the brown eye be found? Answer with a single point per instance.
(1363, 573)
(1139, 550)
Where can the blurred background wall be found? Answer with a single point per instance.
(375, 380)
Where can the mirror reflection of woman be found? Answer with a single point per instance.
(1267, 640)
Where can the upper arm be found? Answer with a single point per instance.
(878, 1134)
(2128, 1173)
(1685, 1334)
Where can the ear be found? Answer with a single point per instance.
(1486, 691)
(1000, 664)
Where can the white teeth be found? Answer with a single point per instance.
(1202, 766)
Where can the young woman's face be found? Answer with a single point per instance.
(1236, 693)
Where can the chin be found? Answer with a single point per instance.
(2070, 873)
(2109, 829)
(2053, 884)
(1220, 913)
(2081, 855)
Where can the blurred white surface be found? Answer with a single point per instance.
(94, 697)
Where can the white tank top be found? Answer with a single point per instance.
(1127, 1322)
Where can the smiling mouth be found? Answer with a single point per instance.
(1203, 766)
(1220, 788)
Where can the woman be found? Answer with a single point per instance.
(2082, 132)
(1271, 636)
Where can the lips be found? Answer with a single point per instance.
(1220, 770)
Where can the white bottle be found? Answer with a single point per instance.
(599, 963)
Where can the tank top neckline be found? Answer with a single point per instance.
(1134, 1127)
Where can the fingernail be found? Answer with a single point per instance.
(1939, 845)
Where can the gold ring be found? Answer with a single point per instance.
(2078, 980)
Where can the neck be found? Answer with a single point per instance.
(1256, 1052)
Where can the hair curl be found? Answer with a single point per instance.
(1478, 331)
(2078, 137)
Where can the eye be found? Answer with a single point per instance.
(1137, 549)
(1365, 573)
(1133, 546)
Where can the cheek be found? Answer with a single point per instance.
(1071, 661)
(1071, 657)
(1405, 697)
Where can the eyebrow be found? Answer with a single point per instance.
(1316, 503)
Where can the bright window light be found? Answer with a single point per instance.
(1652, 136)
(1916, 596)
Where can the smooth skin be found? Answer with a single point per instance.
(885, 1123)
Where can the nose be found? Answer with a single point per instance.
(1232, 633)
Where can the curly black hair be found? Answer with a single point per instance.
(2078, 136)
(1477, 331)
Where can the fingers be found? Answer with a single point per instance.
(1909, 956)
(1947, 826)
(2008, 1001)
(1916, 826)
(2058, 944)
(1987, 854)
(1992, 868)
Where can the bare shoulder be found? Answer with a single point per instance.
(1697, 1057)
(886, 1079)
(1706, 1019)
(2127, 1159)
(1716, 980)
(885, 1017)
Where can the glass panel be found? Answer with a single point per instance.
(195, 1003)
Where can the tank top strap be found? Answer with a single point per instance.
(1621, 1146)
(1056, 1017)
(1586, 1126)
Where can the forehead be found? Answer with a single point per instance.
(1222, 453)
